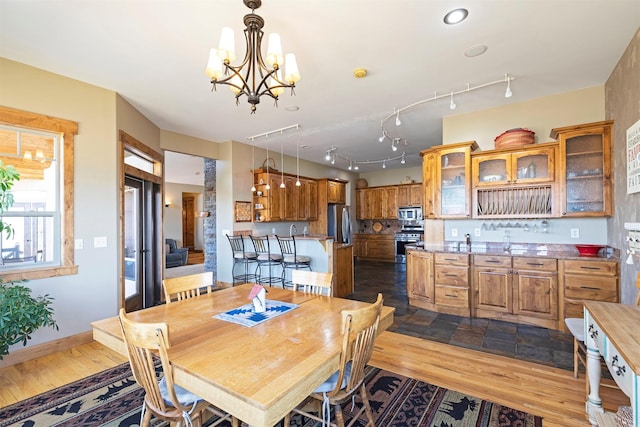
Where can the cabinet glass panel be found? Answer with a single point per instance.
(493, 169)
(535, 166)
(453, 198)
(585, 187)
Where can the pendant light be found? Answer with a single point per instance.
(298, 159)
(281, 166)
(268, 186)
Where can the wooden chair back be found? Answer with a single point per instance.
(186, 287)
(359, 329)
(143, 340)
(312, 282)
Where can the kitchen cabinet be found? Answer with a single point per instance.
(409, 195)
(336, 192)
(451, 280)
(531, 165)
(515, 183)
(587, 280)
(585, 169)
(420, 284)
(379, 247)
(267, 202)
(377, 202)
(516, 289)
(292, 203)
(447, 180)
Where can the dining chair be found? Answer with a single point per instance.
(359, 330)
(291, 260)
(241, 257)
(267, 261)
(576, 327)
(312, 282)
(185, 287)
(164, 399)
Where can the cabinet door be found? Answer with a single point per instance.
(415, 195)
(586, 170)
(302, 199)
(276, 198)
(491, 169)
(420, 276)
(492, 289)
(361, 204)
(375, 202)
(536, 293)
(290, 199)
(336, 192)
(404, 195)
(360, 247)
(533, 165)
(429, 185)
(453, 183)
(390, 198)
(312, 199)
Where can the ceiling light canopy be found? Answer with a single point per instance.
(255, 76)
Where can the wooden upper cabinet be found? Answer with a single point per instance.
(390, 203)
(311, 186)
(409, 195)
(585, 169)
(453, 180)
(291, 203)
(336, 192)
(524, 166)
(428, 184)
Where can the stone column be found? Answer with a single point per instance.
(209, 202)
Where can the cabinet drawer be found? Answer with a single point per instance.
(620, 370)
(491, 261)
(452, 259)
(609, 268)
(596, 288)
(543, 264)
(454, 276)
(452, 296)
(573, 308)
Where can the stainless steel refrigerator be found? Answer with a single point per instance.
(339, 223)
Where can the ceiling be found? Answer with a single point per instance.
(154, 52)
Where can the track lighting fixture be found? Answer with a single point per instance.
(508, 93)
(328, 156)
(394, 144)
(398, 122)
(350, 164)
(333, 159)
(402, 160)
(382, 137)
(452, 105)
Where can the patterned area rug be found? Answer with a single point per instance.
(113, 399)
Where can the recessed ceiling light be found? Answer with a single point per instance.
(456, 16)
(475, 51)
(292, 108)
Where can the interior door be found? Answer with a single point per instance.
(133, 244)
(188, 221)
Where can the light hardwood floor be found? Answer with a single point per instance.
(548, 392)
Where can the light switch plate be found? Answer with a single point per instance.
(100, 242)
(454, 232)
(79, 244)
(575, 233)
(476, 232)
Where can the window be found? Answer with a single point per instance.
(41, 149)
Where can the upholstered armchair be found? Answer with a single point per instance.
(175, 256)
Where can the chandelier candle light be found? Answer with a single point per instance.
(254, 77)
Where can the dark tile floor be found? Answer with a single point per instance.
(531, 343)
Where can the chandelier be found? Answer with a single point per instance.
(254, 77)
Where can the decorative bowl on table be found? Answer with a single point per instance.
(589, 250)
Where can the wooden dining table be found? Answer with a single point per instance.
(259, 373)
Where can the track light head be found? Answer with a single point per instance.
(452, 105)
(398, 122)
(508, 93)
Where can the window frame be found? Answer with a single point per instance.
(68, 129)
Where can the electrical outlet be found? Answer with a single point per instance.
(476, 232)
(575, 233)
(79, 244)
(454, 232)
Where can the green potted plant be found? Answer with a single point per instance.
(20, 312)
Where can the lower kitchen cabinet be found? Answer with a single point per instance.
(516, 289)
(451, 279)
(420, 285)
(379, 247)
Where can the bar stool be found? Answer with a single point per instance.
(267, 261)
(242, 257)
(290, 258)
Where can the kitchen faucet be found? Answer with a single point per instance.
(292, 230)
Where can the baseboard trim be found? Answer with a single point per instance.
(44, 349)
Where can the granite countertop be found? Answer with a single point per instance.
(526, 250)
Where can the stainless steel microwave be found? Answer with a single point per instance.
(410, 214)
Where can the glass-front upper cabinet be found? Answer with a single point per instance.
(525, 166)
(585, 169)
(453, 180)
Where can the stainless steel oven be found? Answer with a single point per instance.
(404, 238)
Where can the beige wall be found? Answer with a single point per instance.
(623, 106)
(539, 115)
